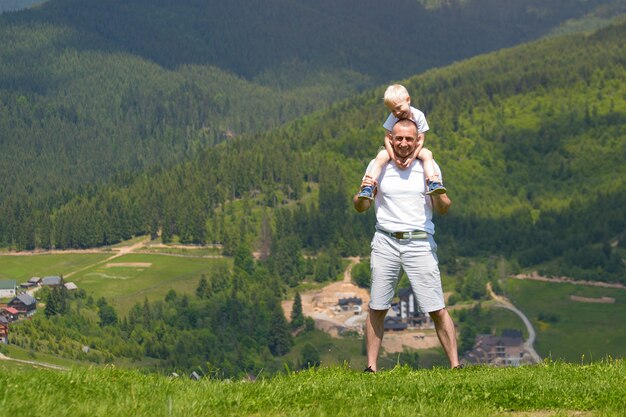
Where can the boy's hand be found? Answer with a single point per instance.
(403, 163)
(368, 180)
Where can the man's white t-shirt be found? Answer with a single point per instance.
(417, 116)
(401, 203)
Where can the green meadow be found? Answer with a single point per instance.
(574, 331)
(547, 390)
(506, 319)
(123, 281)
(22, 268)
(129, 279)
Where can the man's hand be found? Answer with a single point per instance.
(441, 203)
(363, 204)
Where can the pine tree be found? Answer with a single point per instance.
(297, 318)
(280, 340)
(203, 286)
(52, 305)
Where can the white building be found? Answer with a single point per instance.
(8, 288)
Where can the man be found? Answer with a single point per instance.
(404, 240)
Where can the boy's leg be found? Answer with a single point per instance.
(433, 182)
(381, 159)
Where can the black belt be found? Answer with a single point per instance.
(415, 234)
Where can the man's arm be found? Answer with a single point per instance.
(441, 203)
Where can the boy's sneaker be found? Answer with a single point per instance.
(367, 192)
(435, 187)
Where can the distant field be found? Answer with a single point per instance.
(22, 268)
(145, 275)
(123, 281)
(592, 330)
(506, 319)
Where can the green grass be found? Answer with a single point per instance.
(121, 286)
(16, 352)
(333, 351)
(506, 319)
(124, 286)
(589, 330)
(551, 389)
(22, 268)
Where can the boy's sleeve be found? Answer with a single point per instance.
(391, 120)
(420, 120)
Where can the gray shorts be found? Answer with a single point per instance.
(418, 258)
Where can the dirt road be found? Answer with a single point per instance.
(565, 280)
(35, 363)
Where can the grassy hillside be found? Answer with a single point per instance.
(568, 328)
(553, 389)
(123, 281)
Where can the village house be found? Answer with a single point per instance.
(505, 350)
(8, 288)
(32, 282)
(51, 281)
(394, 323)
(351, 304)
(25, 304)
(9, 313)
(70, 286)
(409, 312)
(4, 330)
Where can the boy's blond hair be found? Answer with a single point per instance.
(394, 94)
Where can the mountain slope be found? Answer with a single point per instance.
(252, 37)
(531, 140)
(94, 90)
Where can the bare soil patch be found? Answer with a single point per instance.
(321, 305)
(536, 277)
(129, 265)
(605, 300)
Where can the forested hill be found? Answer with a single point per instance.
(275, 37)
(73, 115)
(531, 139)
(17, 4)
(96, 89)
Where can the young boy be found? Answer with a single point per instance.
(398, 101)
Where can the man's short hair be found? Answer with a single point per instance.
(395, 93)
(407, 122)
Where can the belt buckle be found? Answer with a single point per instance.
(400, 235)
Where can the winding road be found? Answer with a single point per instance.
(503, 302)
